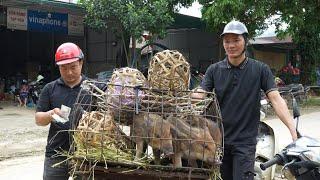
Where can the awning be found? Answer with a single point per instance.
(45, 5)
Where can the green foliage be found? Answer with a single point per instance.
(301, 16)
(312, 101)
(251, 12)
(131, 16)
(303, 22)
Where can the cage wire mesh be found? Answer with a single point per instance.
(163, 130)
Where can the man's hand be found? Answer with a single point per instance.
(198, 93)
(55, 111)
(45, 118)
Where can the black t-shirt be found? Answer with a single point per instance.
(238, 92)
(53, 95)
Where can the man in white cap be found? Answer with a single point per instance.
(237, 81)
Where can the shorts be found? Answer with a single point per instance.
(23, 96)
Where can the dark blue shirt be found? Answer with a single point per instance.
(53, 95)
(238, 92)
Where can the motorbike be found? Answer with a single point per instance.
(35, 88)
(300, 159)
(266, 144)
(272, 136)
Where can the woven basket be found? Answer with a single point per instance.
(95, 129)
(121, 91)
(169, 70)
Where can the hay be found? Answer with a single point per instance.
(95, 129)
(98, 137)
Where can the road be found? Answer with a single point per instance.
(22, 143)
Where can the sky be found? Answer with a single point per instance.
(194, 10)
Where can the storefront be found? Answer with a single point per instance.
(30, 31)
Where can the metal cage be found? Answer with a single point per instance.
(151, 132)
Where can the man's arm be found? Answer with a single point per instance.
(43, 115)
(45, 118)
(281, 109)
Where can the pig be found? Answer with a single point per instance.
(192, 143)
(202, 122)
(152, 129)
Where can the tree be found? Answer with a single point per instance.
(301, 16)
(130, 18)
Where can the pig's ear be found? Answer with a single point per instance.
(173, 130)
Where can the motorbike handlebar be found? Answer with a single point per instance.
(275, 160)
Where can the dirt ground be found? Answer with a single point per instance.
(22, 142)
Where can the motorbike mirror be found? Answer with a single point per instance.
(295, 108)
(296, 114)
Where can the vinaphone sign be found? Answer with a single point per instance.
(40, 21)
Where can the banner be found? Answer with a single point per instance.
(75, 25)
(47, 22)
(16, 18)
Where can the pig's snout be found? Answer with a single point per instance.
(168, 150)
(213, 161)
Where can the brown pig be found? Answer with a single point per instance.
(192, 143)
(202, 122)
(152, 129)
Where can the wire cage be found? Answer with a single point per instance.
(158, 133)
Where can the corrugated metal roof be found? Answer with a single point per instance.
(185, 21)
(271, 40)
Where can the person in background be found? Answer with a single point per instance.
(23, 94)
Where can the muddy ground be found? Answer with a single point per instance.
(19, 135)
(22, 143)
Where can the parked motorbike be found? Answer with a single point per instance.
(272, 137)
(301, 158)
(298, 91)
(35, 88)
(266, 145)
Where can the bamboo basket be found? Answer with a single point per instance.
(122, 92)
(169, 70)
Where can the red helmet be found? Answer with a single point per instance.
(68, 53)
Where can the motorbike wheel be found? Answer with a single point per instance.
(264, 152)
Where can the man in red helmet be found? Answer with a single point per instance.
(62, 91)
(237, 81)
